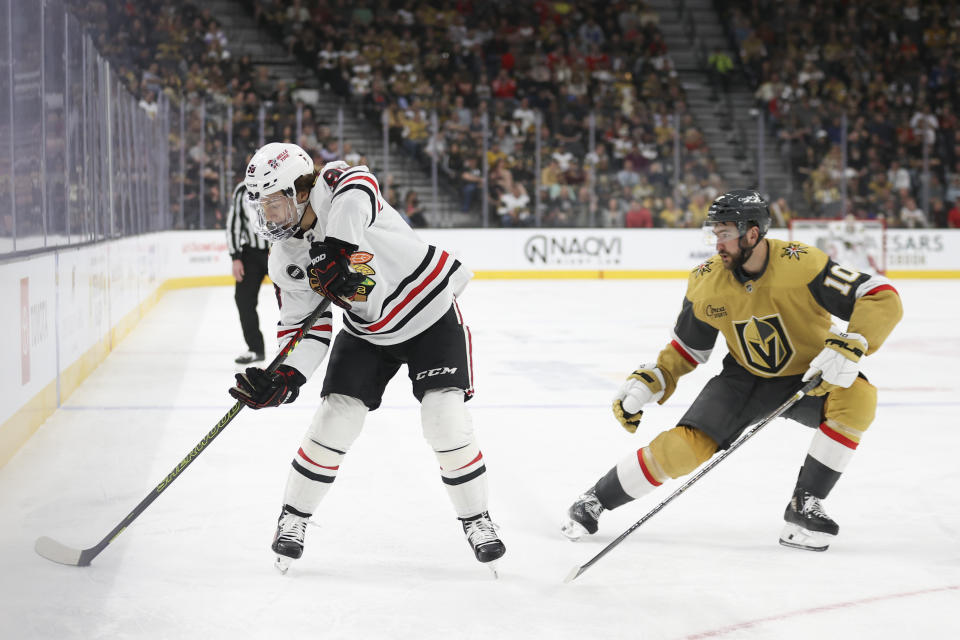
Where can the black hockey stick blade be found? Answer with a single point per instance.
(62, 554)
(802, 391)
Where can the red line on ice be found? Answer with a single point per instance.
(722, 631)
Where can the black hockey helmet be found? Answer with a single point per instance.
(745, 207)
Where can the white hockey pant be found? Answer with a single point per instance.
(448, 429)
(335, 427)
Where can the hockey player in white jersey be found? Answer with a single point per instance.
(335, 235)
(847, 244)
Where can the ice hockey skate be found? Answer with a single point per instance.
(249, 357)
(583, 516)
(288, 540)
(807, 525)
(482, 536)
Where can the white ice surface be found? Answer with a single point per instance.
(389, 560)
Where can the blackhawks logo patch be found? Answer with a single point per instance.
(793, 250)
(358, 261)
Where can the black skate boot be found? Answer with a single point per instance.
(288, 541)
(482, 536)
(584, 516)
(807, 525)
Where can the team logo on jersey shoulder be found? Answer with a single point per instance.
(295, 271)
(331, 176)
(793, 250)
(764, 343)
(703, 267)
(358, 262)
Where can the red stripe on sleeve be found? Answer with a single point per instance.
(646, 472)
(683, 352)
(839, 437)
(883, 287)
(304, 456)
(373, 183)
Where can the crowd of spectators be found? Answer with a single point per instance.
(890, 68)
(596, 75)
(177, 48)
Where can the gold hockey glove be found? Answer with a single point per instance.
(838, 363)
(644, 385)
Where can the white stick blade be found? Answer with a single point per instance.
(576, 571)
(57, 552)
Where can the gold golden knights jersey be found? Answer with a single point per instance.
(775, 322)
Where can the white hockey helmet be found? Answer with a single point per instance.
(270, 181)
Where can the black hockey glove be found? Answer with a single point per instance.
(258, 389)
(329, 271)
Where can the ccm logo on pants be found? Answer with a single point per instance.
(429, 373)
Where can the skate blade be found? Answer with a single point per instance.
(492, 565)
(283, 564)
(573, 530)
(797, 537)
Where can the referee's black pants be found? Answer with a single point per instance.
(246, 293)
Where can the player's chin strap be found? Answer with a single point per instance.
(792, 400)
(301, 207)
(746, 252)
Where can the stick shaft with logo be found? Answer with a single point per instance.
(807, 387)
(59, 552)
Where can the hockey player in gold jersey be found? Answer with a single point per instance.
(772, 300)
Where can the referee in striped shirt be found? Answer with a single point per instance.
(249, 254)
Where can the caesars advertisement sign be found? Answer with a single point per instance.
(682, 249)
(920, 249)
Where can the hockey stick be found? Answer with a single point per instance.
(58, 552)
(808, 386)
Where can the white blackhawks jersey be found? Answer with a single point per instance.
(409, 284)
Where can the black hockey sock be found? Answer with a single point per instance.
(817, 478)
(610, 492)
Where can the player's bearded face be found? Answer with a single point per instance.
(727, 239)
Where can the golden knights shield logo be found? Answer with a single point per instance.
(764, 343)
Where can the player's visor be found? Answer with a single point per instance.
(714, 233)
(277, 216)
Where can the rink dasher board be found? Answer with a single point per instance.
(72, 305)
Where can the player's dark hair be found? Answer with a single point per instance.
(305, 182)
